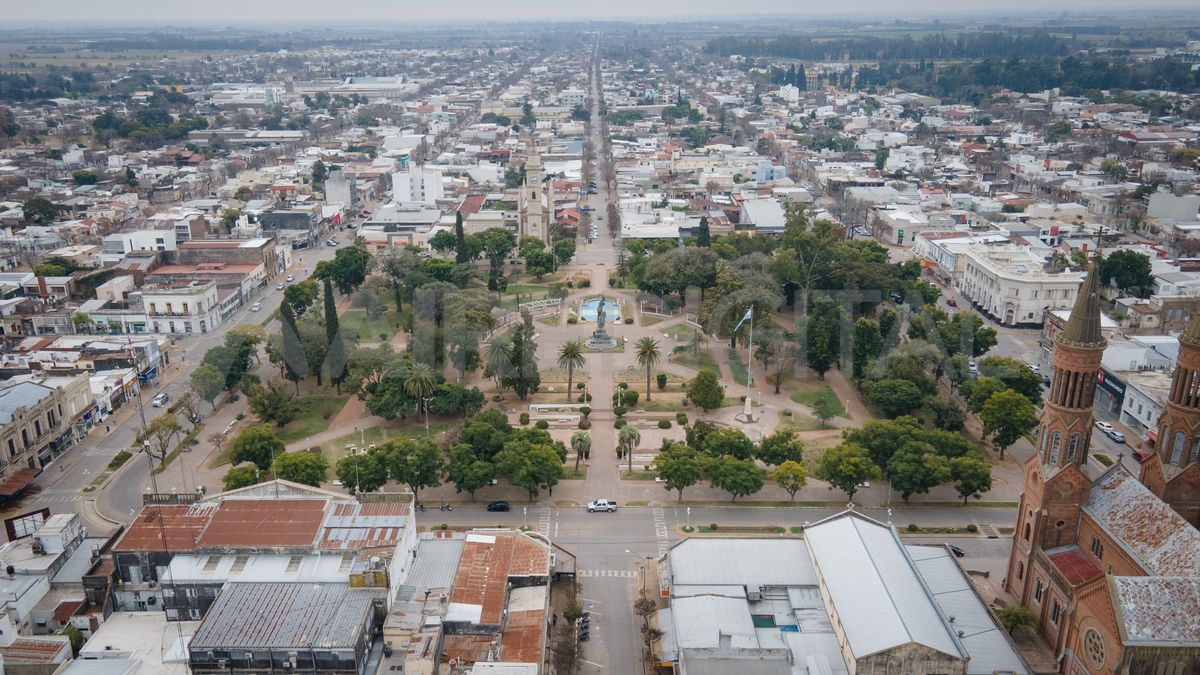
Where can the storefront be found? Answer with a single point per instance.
(1110, 393)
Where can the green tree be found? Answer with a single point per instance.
(240, 477)
(1017, 618)
(846, 467)
(495, 243)
(306, 468)
(679, 467)
(826, 406)
(703, 234)
(348, 269)
(913, 470)
(207, 382)
(1129, 271)
(731, 441)
(896, 397)
(1015, 375)
(628, 439)
(1006, 417)
(416, 463)
(419, 383)
(256, 444)
(521, 371)
(39, 211)
(947, 415)
(564, 250)
(462, 252)
(781, 446)
(335, 352)
(273, 403)
(290, 356)
(443, 241)
(978, 391)
(570, 356)
(319, 173)
(159, 435)
(362, 471)
(647, 354)
(233, 358)
(972, 476)
(791, 476)
(531, 467)
(866, 343)
(468, 472)
(882, 438)
(581, 443)
(705, 390)
(50, 270)
(738, 477)
(301, 295)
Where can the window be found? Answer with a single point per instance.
(1177, 449)
(1097, 548)
(1055, 443)
(1037, 591)
(1020, 570)
(1072, 447)
(210, 565)
(239, 564)
(1055, 612)
(294, 564)
(1093, 648)
(1028, 531)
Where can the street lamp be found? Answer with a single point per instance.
(641, 568)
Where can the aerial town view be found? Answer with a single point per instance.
(635, 338)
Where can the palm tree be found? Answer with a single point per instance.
(419, 383)
(628, 439)
(499, 357)
(647, 354)
(581, 443)
(570, 356)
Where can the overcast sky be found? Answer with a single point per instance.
(371, 11)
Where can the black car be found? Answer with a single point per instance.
(958, 552)
(497, 506)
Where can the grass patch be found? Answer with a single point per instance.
(806, 393)
(638, 475)
(270, 317)
(119, 460)
(799, 423)
(704, 359)
(796, 529)
(572, 474)
(639, 502)
(369, 329)
(413, 428)
(317, 407)
(737, 368)
(651, 319)
(661, 405)
(548, 320)
(1104, 459)
(174, 454)
(619, 348)
(681, 332)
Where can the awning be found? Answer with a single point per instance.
(17, 482)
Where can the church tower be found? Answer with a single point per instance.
(533, 216)
(1178, 441)
(1055, 486)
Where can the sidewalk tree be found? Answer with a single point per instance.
(256, 444)
(581, 443)
(306, 468)
(866, 342)
(273, 403)
(972, 476)
(348, 269)
(240, 477)
(161, 433)
(467, 471)
(628, 439)
(415, 463)
(895, 397)
(738, 477)
(846, 467)
(301, 295)
(979, 390)
(189, 405)
(791, 476)
(1007, 416)
(362, 471)
(1015, 374)
(781, 446)
(570, 356)
(647, 354)
(531, 467)
(207, 382)
(679, 467)
(913, 469)
(705, 390)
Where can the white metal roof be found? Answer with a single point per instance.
(879, 598)
(751, 562)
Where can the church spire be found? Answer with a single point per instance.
(1083, 328)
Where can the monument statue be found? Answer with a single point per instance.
(600, 338)
(600, 316)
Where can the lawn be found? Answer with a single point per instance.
(317, 407)
(411, 428)
(696, 362)
(651, 319)
(682, 333)
(737, 367)
(370, 329)
(806, 392)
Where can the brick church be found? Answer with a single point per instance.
(1109, 561)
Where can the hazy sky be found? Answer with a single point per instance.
(370, 11)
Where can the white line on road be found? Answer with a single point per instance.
(591, 663)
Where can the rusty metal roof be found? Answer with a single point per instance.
(1156, 610)
(165, 527)
(354, 526)
(487, 560)
(252, 523)
(1074, 565)
(1158, 538)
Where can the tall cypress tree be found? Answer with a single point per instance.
(801, 81)
(461, 254)
(295, 363)
(335, 354)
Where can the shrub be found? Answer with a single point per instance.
(627, 398)
(584, 398)
(619, 423)
(383, 337)
(240, 416)
(664, 424)
(912, 527)
(524, 418)
(972, 528)
(580, 385)
(119, 459)
(619, 410)
(583, 283)
(628, 320)
(585, 411)
(662, 381)
(712, 526)
(951, 530)
(542, 424)
(572, 320)
(681, 419)
(584, 424)
(622, 386)
(496, 398)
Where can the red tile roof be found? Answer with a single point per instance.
(260, 523)
(1076, 566)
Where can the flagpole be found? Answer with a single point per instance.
(749, 376)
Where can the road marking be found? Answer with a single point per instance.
(591, 663)
(660, 531)
(544, 521)
(607, 573)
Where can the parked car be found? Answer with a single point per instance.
(958, 552)
(1034, 367)
(601, 505)
(1116, 436)
(279, 286)
(951, 302)
(896, 297)
(331, 242)
(497, 506)
(160, 400)
(973, 366)
(291, 278)
(255, 307)
(1105, 427)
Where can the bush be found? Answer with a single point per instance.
(584, 424)
(584, 398)
(619, 423)
(664, 424)
(972, 528)
(585, 411)
(619, 410)
(581, 385)
(712, 526)
(572, 320)
(583, 283)
(912, 527)
(524, 418)
(542, 424)
(628, 320)
(681, 419)
(118, 460)
(627, 398)
(662, 381)
(383, 337)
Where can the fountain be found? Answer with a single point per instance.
(600, 338)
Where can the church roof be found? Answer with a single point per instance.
(1191, 335)
(1149, 530)
(1158, 610)
(1083, 328)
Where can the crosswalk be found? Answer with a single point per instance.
(660, 531)
(543, 521)
(627, 574)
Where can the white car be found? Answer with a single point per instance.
(601, 505)
(1105, 427)
(1034, 367)
(291, 278)
(279, 286)
(160, 400)
(255, 307)
(331, 242)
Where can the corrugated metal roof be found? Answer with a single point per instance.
(285, 616)
(1158, 610)
(753, 562)
(436, 563)
(986, 642)
(1161, 541)
(880, 599)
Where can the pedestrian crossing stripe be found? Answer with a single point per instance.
(627, 574)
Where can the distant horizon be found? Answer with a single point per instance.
(137, 14)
